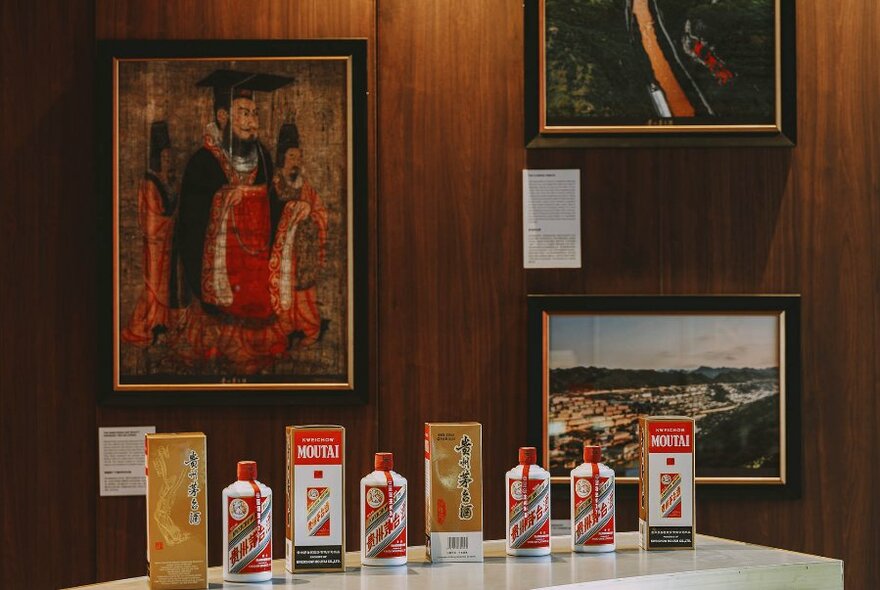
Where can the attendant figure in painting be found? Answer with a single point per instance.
(157, 204)
(299, 245)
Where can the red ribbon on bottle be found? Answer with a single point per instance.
(258, 501)
(594, 475)
(390, 482)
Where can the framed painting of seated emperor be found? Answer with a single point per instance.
(233, 202)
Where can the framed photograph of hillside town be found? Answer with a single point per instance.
(660, 72)
(232, 219)
(730, 362)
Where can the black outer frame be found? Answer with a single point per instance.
(535, 139)
(790, 304)
(107, 51)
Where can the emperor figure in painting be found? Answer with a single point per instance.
(232, 234)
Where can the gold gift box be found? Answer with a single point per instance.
(177, 510)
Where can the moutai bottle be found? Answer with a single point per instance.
(247, 527)
(528, 506)
(592, 504)
(383, 514)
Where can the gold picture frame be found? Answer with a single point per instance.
(234, 211)
(731, 362)
(659, 73)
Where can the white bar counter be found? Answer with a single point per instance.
(715, 563)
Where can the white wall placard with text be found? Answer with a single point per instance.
(121, 460)
(551, 218)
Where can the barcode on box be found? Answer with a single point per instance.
(459, 546)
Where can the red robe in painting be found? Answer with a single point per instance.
(239, 261)
(156, 220)
(224, 250)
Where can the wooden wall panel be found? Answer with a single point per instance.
(452, 298)
(446, 254)
(47, 400)
(231, 19)
(723, 211)
(838, 185)
(246, 432)
(654, 221)
(620, 219)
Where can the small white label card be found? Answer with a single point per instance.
(551, 218)
(121, 460)
(560, 527)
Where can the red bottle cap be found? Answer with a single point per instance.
(383, 461)
(247, 470)
(592, 454)
(528, 455)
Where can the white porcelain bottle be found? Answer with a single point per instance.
(247, 527)
(592, 504)
(528, 506)
(383, 514)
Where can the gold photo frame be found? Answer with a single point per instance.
(233, 205)
(660, 73)
(596, 363)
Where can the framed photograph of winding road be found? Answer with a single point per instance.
(730, 362)
(233, 221)
(620, 73)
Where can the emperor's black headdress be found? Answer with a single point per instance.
(231, 84)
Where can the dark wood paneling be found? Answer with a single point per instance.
(620, 220)
(247, 432)
(723, 212)
(450, 289)
(837, 183)
(47, 418)
(654, 221)
(452, 297)
(230, 19)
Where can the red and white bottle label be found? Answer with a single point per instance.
(529, 513)
(670, 495)
(318, 511)
(385, 530)
(593, 510)
(250, 545)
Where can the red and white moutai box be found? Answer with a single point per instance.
(315, 499)
(666, 482)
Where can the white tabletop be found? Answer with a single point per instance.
(715, 563)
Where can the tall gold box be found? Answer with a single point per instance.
(177, 510)
(454, 491)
